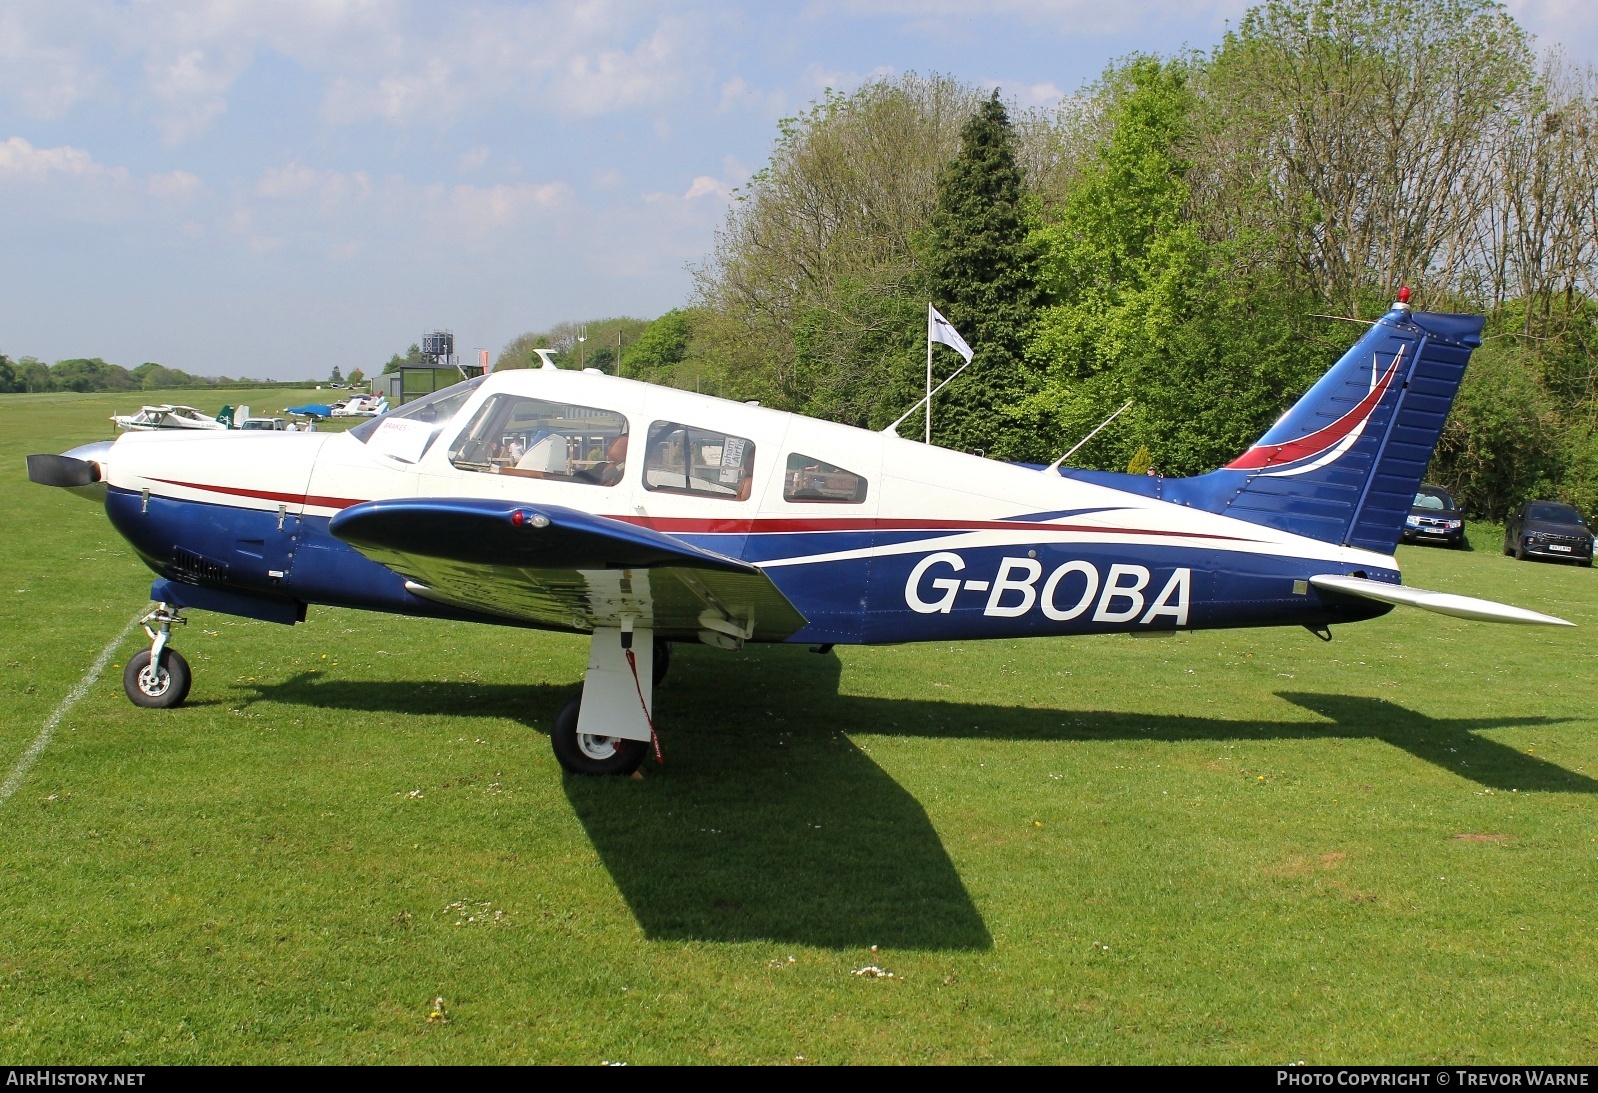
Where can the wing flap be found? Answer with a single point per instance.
(562, 568)
(1443, 603)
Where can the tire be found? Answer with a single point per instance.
(1520, 551)
(662, 660)
(593, 755)
(161, 689)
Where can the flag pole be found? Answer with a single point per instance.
(929, 373)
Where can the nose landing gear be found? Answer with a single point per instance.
(158, 677)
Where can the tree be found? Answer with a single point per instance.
(9, 380)
(657, 351)
(599, 350)
(357, 377)
(335, 376)
(91, 374)
(813, 299)
(1351, 139)
(1139, 308)
(413, 355)
(34, 374)
(152, 376)
(981, 274)
(1501, 442)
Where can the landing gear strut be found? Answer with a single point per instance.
(609, 727)
(158, 677)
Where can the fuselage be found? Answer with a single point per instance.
(872, 538)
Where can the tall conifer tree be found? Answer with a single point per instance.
(981, 276)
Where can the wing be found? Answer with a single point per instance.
(1444, 603)
(565, 569)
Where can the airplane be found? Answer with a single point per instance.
(639, 515)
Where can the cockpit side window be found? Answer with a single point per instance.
(406, 434)
(686, 459)
(808, 479)
(531, 438)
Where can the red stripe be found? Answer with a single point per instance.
(728, 526)
(699, 526)
(1267, 455)
(310, 499)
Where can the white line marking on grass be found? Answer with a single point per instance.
(74, 696)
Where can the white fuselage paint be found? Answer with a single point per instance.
(966, 502)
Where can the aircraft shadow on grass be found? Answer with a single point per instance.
(769, 823)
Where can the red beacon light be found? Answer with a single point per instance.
(1403, 296)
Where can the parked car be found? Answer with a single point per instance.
(1548, 529)
(1433, 518)
(275, 424)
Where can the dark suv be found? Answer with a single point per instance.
(1548, 529)
(1434, 519)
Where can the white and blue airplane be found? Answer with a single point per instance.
(640, 515)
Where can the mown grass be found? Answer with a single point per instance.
(1244, 846)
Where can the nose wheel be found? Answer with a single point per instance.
(158, 677)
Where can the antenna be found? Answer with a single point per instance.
(1055, 466)
(893, 430)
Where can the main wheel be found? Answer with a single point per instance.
(157, 686)
(583, 753)
(662, 660)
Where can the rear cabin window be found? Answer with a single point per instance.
(811, 479)
(531, 438)
(686, 459)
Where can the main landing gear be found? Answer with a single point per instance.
(609, 727)
(158, 677)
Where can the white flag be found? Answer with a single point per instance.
(940, 329)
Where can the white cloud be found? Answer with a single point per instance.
(20, 159)
(1065, 16)
(477, 211)
(706, 186)
(737, 94)
(570, 59)
(472, 159)
(399, 63)
(328, 188)
(308, 205)
(174, 184)
(45, 77)
(1026, 94)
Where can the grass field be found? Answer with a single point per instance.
(1221, 847)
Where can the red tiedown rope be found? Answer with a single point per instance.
(654, 738)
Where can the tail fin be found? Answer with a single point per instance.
(1343, 464)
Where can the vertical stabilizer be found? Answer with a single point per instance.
(1344, 463)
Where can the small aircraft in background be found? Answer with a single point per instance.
(638, 515)
(167, 416)
(361, 406)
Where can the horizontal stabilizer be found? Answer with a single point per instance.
(1444, 603)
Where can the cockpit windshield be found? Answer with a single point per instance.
(406, 434)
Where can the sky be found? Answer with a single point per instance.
(274, 189)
